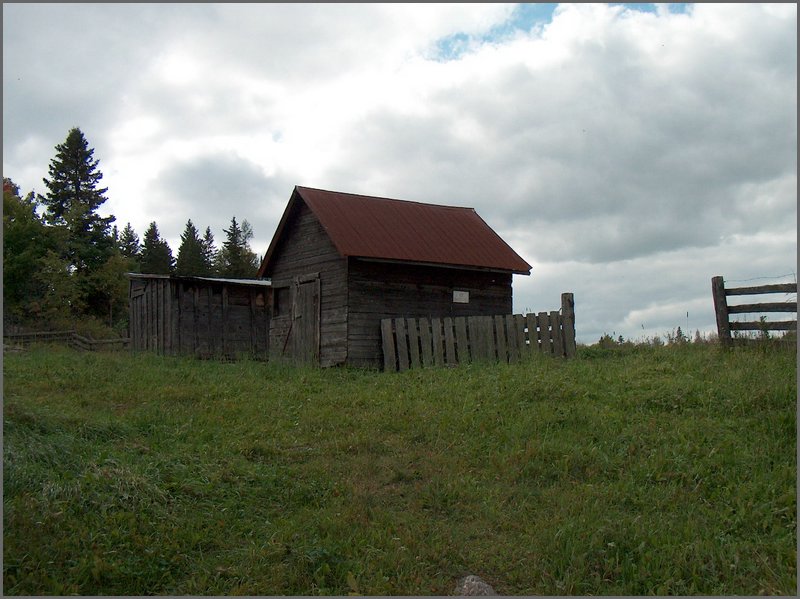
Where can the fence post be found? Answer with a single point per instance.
(568, 319)
(721, 310)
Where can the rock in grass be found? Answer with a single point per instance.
(472, 585)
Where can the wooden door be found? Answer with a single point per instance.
(305, 319)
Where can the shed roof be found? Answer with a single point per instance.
(190, 279)
(403, 231)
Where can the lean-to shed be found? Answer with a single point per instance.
(341, 262)
(205, 317)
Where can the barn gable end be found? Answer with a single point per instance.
(301, 252)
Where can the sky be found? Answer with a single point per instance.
(628, 152)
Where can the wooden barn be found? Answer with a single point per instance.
(199, 316)
(340, 262)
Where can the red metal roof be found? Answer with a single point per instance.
(403, 231)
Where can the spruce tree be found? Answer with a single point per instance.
(191, 260)
(129, 242)
(237, 260)
(72, 200)
(156, 256)
(209, 252)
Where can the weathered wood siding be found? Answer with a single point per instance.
(202, 318)
(150, 315)
(379, 290)
(221, 319)
(439, 341)
(305, 249)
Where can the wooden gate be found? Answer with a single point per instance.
(723, 311)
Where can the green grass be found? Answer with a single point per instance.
(636, 471)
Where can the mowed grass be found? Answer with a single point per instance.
(666, 470)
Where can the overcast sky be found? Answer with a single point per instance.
(628, 152)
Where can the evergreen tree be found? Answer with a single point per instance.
(129, 243)
(191, 259)
(236, 259)
(209, 252)
(156, 256)
(72, 200)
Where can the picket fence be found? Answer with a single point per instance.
(447, 341)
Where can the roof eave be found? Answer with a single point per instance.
(443, 265)
(192, 278)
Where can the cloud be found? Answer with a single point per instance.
(212, 189)
(594, 132)
(66, 63)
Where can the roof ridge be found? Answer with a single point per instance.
(372, 197)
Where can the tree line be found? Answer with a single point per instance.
(64, 263)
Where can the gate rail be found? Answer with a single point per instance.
(71, 338)
(723, 310)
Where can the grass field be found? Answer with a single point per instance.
(635, 471)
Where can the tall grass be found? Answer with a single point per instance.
(630, 471)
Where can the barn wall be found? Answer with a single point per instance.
(305, 248)
(200, 318)
(221, 319)
(386, 290)
(150, 313)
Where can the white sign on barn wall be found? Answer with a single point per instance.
(460, 297)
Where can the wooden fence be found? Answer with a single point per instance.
(447, 341)
(723, 310)
(71, 338)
